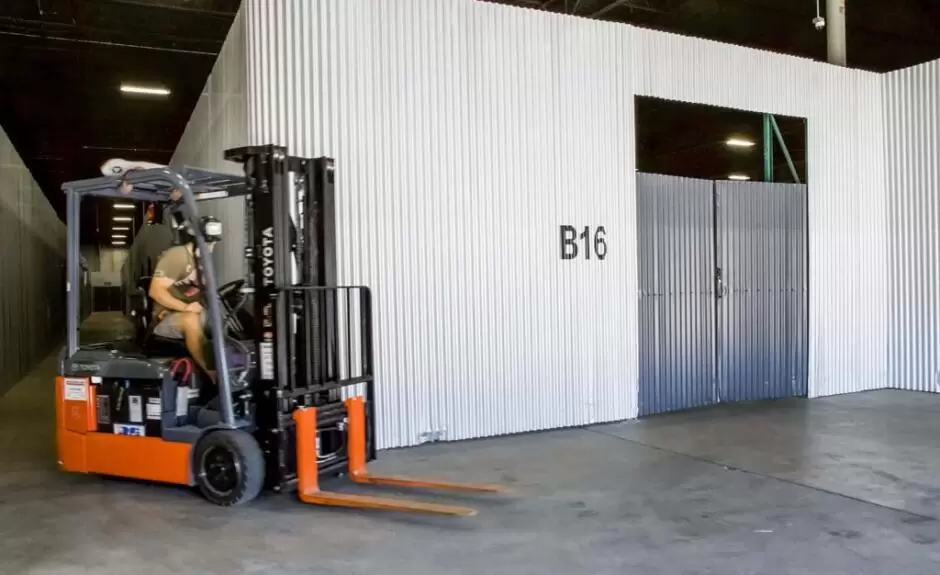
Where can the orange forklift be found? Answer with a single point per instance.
(293, 401)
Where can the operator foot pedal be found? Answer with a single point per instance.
(394, 481)
(383, 503)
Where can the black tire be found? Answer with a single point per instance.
(229, 467)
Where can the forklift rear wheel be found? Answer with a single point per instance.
(229, 467)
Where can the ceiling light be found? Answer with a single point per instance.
(120, 229)
(739, 177)
(124, 206)
(151, 91)
(212, 195)
(119, 243)
(739, 143)
(118, 237)
(123, 219)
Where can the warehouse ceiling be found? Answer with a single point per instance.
(62, 62)
(882, 35)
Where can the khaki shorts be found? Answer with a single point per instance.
(169, 326)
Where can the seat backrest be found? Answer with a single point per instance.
(141, 307)
(144, 284)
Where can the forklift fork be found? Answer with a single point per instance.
(308, 473)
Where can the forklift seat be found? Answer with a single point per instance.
(156, 346)
(140, 307)
(142, 310)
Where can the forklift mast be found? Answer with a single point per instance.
(313, 337)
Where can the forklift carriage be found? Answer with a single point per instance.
(294, 400)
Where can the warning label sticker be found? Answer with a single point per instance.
(153, 408)
(76, 390)
(267, 360)
(133, 430)
(136, 412)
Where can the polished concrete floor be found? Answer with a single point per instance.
(847, 485)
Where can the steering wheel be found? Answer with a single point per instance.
(232, 287)
(231, 300)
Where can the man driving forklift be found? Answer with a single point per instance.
(177, 292)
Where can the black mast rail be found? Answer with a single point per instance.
(300, 360)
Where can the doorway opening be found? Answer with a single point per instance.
(712, 143)
(722, 237)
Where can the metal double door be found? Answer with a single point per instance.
(723, 291)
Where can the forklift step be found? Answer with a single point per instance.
(334, 499)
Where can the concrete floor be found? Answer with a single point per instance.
(848, 485)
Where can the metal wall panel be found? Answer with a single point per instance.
(218, 122)
(466, 133)
(32, 285)
(848, 337)
(762, 258)
(912, 149)
(463, 143)
(676, 254)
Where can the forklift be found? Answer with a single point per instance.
(293, 402)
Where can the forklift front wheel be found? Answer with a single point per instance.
(229, 467)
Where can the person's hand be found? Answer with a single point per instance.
(194, 307)
(175, 195)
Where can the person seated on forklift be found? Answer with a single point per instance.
(177, 292)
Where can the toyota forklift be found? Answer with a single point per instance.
(293, 402)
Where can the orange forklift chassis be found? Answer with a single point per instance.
(82, 449)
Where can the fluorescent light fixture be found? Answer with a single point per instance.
(124, 206)
(150, 91)
(118, 237)
(739, 143)
(739, 177)
(123, 219)
(212, 195)
(119, 243)
(120, 229)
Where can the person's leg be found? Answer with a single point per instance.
(193, 329)
(169, 326)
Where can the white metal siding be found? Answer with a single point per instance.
(220, 121)
(912, 148)
(847, 211)
(466, 133)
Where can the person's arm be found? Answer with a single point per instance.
(172, 264)
(160, 293)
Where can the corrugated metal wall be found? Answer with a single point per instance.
(465, 135)
(912, 148)
(218, 122)
(676, 254)
(762, 310)
(32, 285)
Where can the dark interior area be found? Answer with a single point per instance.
(708, 142)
